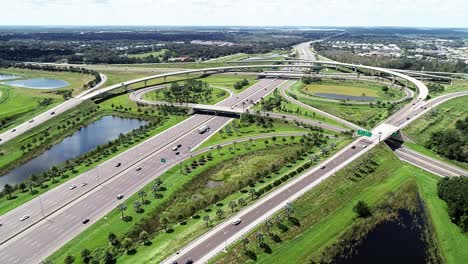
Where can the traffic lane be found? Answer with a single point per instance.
(66, 224)
(60, 195)
(248, 93)
(454, 171)
(424, 165)
(218, 238)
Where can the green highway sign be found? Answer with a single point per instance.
(163, 160)
(365, 133)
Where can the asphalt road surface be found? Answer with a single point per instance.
(34, 239)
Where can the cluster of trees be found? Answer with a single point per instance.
(191, 91)
(435, 87)
(454, 191)
(451, 142)
(309, 80)
(241, 84)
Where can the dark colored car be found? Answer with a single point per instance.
(85, 221)
(118, 164)
(138, 169)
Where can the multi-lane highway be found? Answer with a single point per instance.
(35, 238)
(31, 240)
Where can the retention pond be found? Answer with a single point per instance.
(87, 138)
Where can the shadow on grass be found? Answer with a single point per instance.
(251, 255)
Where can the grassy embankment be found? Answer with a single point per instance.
(18, 105)
(445, 116)
(226, 167)
(360, 114)
(14, 155)
(326, 212)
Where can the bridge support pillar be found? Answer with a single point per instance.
(406, 84)
(145, 83)
(393, 79)
(165, 78)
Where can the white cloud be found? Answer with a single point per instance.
(449, 13)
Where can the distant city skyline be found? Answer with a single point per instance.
(339, 13)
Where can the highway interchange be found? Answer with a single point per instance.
(55, 217)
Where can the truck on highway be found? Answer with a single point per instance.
(203, 129)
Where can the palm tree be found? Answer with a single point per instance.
(241, 201)
(85, 255)
(268, 224)
(112, 238)
(158, 182)
(219, 213)
(8, 189)
(121, 208)
(137, 206)
(155, 190)
(69, 259)
(142, 195)
(289, 210)
(127, 243)
(245, 242)
(260, 238)
(232, 205)
(278, 219)
(144, 236)
(207, 219)
(164, 223)
(252, 193)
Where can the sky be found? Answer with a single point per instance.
(406, 13)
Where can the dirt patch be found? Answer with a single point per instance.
(212, 184)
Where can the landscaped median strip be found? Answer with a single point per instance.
(259, 220)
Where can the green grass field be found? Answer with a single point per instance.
(353, 88)
(158, 54)
(361, 114)
(325, 213)
(250, 131)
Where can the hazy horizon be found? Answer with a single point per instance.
(269, 13)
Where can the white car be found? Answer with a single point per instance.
(120, 196)
(24, 217)
(175, 148)
(236, 221)
(72, 187)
